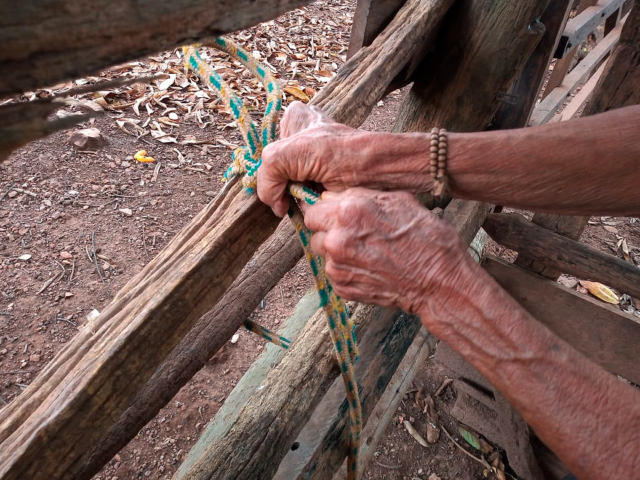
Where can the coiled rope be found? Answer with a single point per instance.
(246, 161)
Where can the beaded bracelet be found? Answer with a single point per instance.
(438, 162)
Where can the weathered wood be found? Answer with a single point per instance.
(412, 28)
(618, 87)
(151, 314)
(580, 99)
(323, 445)
(49, 41)
(275, 258)
(249, 383)
(583, 24)
(369, 20)
(464, 65)
(598, 330)
(515, 110)
(562, 65)
(550, 105)
(568, 256)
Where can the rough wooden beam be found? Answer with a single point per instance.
(550, 105)
(152, 313)
(516, 108)
(46, 42)
(369, 20)
(618, 87)
(462, 75)
(568, 256)
(598, 330)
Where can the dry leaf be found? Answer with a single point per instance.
(297, 93)
(625, 249)
(164, 84)
(433, 433)
(414, 433)
(433, 476)
(601, 291)
(610, 229)
(446, 382)
(419, 399)
(141, 157)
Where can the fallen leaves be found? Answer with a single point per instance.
(414, 433)
(297, 93)
(141, 157)
(601, 291)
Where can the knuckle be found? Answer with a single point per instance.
(336, 244)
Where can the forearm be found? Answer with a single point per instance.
(584, 166)
(588, 417)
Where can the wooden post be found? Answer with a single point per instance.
(618, 87)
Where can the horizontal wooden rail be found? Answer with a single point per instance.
(581, 98)
(44, 43)
(582, 25)
(563, 254)
(554, 100)
(599, 331)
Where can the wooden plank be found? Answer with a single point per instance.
(568, 256)
(562, 65)
(47, 42)
(462, 75)
(228, 414)
(550, 105)
(582, 97)
(155, 310)
(515, 110)
(583, 24)
(599, 331)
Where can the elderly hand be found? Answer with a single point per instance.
(385, 248)
(315, 148)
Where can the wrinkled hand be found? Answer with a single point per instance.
(385, 248)
(311, 147)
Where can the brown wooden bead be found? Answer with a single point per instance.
(442, 151)
(434, 149)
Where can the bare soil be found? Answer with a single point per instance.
(75, 206)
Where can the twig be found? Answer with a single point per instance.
(156, 171)
(482, 461)
(48, 283)
(68, 321)
(61, 266)
(282, 296)
(95, 258)
(7, 192)
(6, 314)
(22, 190)
(73, 269)
(388, 467)
(144, 242)
(3, 400)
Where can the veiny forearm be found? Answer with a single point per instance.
(584, 166)
(588, 417)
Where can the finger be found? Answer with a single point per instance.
(272, 179)
(321, 216)
(317, 243)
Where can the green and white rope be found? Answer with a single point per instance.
(246, 161)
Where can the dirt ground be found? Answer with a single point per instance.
(72, 202)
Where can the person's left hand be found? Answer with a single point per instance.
(385, 248)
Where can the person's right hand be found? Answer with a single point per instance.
(312, 147)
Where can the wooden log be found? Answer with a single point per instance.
(152, 313)
(40, 41)
(599, 331)
(550, 105)
(568, 256)
(276, 257)
(515, 110)
(464, 66)
(618, 87)
(250, 449)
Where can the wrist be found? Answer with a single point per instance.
(392, 161)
